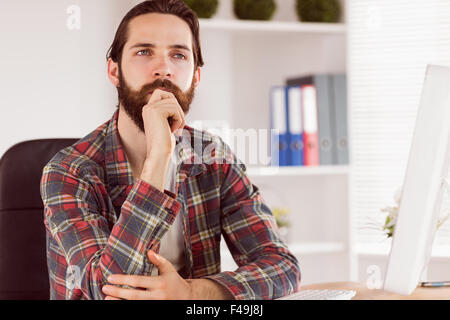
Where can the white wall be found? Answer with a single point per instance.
(54, 81)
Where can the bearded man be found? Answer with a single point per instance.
(134, 210)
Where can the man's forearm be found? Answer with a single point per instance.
(205, 289)
(154, 171)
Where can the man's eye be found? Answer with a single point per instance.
(181, 55)
(145, 51)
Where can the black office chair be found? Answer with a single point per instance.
(23, 259)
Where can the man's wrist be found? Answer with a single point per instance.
(154, 171)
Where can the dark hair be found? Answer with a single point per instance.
(175, 7)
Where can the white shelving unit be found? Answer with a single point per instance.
(271, 26)
(384, 249)
(243, 59)
(297, 171)
(317, 247)
(298, 249)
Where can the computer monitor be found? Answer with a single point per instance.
(423, 186)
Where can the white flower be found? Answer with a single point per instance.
(391, 218)
(393, 214)
(398, 196)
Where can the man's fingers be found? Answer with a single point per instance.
(146, 282)
(177, 123)
(129, 294)
(162, 264)
(159, 94)
(171, 109)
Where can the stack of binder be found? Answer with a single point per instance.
(309, 121)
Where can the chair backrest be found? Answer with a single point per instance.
(23, 259)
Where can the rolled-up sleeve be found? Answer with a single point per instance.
(82, 243)
(266, 267)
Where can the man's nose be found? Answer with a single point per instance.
(162, 69)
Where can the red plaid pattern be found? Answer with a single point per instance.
(101, 221)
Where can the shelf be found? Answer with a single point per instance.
(272, 26)
(316, 247)
(297, 171)
(303, 248)
(381, 249)
(384, 249)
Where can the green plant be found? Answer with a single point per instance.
(254, 9)
(318, 10)
(203, 8)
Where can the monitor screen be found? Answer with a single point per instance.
(423, 185)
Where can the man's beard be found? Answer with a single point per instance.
(133, 101)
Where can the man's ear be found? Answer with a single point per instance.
(113, 72)
(196, 77)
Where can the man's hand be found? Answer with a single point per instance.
(161, 106)
(169, 285)
(160, 141)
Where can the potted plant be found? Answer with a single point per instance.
(392, 215)
(203, 8)
(318, 10)
(254, 9)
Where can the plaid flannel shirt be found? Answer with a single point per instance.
(100, 220)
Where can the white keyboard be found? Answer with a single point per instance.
(320, 295)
